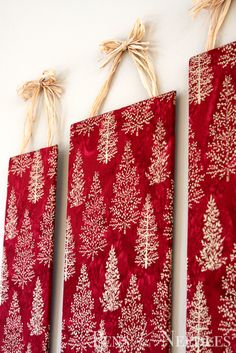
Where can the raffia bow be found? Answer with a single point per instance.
(138, 49)
(31, 91)
(218, 10)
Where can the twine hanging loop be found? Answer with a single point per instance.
(218, 10)
(31, 91)
(138, 49)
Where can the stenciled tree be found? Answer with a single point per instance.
(147, 242)
(210, 257)
(125, 202)
(158, 169)
(94, 227)
(82, 321)
(110, 299)
(222, 141)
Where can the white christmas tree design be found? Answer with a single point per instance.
(4, 280)
(195, 171)
(110, 298)
(52, 161)
(222, 143)
(147, 241)
(45, 244)
(228, 55)
(212, 242)
(36, 180)
(136, 116)
(189, 286)
(132, 323)
(158, 170)
(200, 78)
(11, 217)
(63, 337)
(101, 342)
(161, 320)
(85, 127)
(82, 322)
(35, 325)
(24, 260)
(20, 164)
(13, 329)
(168, 97)
(69, 261)
(169, 212)
(228, 299)
(198, 323)
(94, 226)
(126, 199)
(46, 343)
(76, 194)
(107, 143)
(29, 350)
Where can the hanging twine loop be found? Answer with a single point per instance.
(218, 10)
(51, 91)
(138, 49)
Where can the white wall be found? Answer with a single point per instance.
(65, 34)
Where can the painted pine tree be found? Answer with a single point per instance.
(126, 199)
(45, 244)
(29, 350)
(228, 299)
(4, 279)
(222, 143)
(132, 322)
(76, 194)
(63, 337)
(169, 212)
(13, 329)
(136, 116)
(195, 171)
(36, 181)
(158, 170)
(161, 321)
(35, 325)
(212, 242)
(23, 263)
(11, 217)
(189, 286)
(46, 342)
(86, 126)
(147, 242)
(94, 226)
(69, 261)
(200, 78)
(228, 55)
(110, 299)
(52, 162)
(82, 322)
(107, 143)
(198, 323)
(20, 164)
(101, 342)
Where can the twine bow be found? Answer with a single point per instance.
(30, 91)
(138, 49)
(218, 10)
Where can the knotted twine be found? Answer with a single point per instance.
(218, 10)
(50, 90)
(138, 49)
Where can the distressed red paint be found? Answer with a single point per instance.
(26, 283)
(120, 190)
(212, 205)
